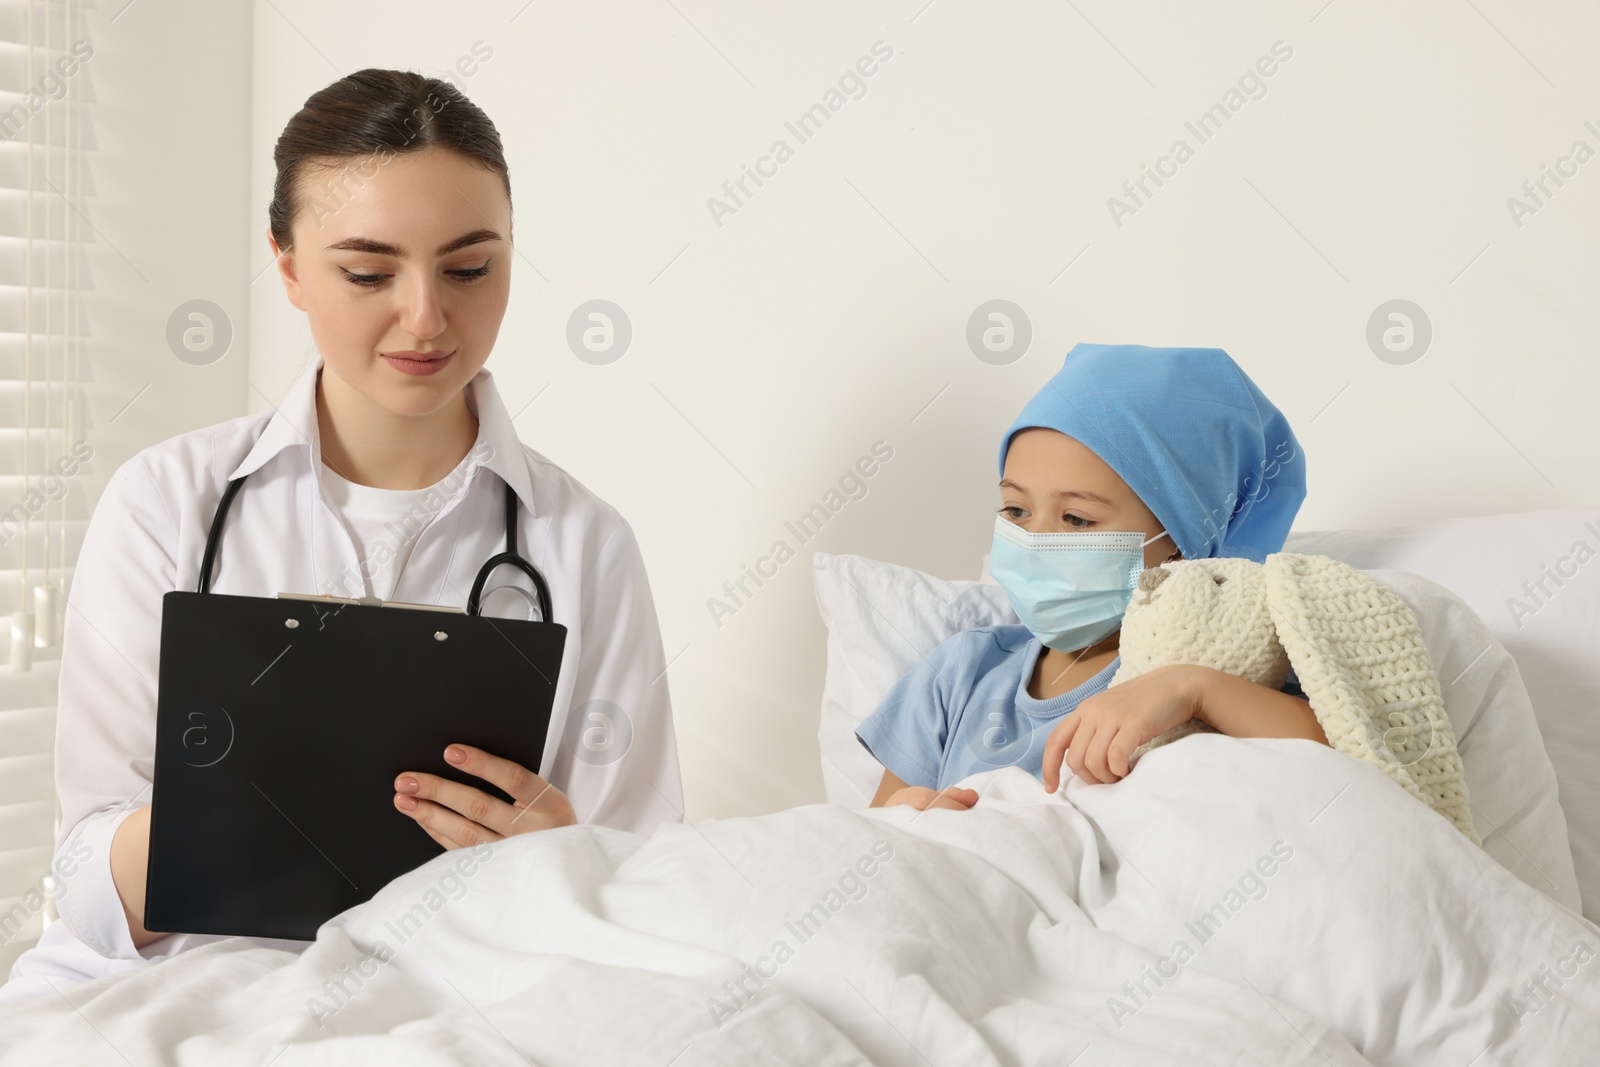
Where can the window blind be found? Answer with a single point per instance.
(46, 99)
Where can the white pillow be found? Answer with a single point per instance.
(882, 618)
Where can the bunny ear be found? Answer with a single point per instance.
(1358, 653)
(1151, 577)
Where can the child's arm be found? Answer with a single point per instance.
(893, 791)
(1097, 738)
(1241, 708)
(890, 785)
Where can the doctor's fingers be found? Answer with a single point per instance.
(437, 799)
(463, 813)
(444, 842)
(449, 827)
(528, 789)
(539, 805)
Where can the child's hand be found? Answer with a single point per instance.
(922, 798)
(1101, 733)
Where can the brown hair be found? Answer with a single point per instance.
(378, 114)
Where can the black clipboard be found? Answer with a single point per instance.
(281, 725)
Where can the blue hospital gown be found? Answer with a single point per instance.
(965, 708)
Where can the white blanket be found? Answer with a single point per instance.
(1231, 901)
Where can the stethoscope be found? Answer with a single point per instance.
(473, 599)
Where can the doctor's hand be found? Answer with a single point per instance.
(1099, 735)
(460, 816)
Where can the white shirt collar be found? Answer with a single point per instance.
(294, 422)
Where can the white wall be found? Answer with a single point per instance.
(772, 351)
(166, 217)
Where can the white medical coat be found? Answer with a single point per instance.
(146, 537)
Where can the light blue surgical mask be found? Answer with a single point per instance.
(1070, 589)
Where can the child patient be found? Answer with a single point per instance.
(1128, 458)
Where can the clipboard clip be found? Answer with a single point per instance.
(368, 601)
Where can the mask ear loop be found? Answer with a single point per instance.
(1158, 537)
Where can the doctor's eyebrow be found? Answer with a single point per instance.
(382, 248)
(1007, 483)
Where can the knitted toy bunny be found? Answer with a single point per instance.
(1353, 643)
(1205, 612)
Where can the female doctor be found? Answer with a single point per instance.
(382, 473)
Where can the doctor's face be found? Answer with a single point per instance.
(410, 257)
(1054, 484)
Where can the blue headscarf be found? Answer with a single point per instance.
(1192, 436)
